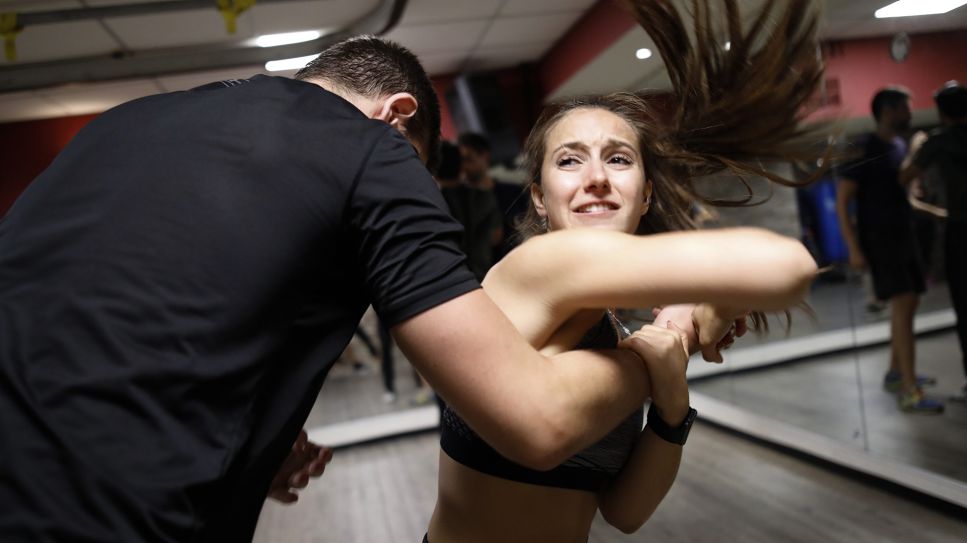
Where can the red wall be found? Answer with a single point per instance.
(441, 84)
(590, 36)
(27, 148)
(864, 66)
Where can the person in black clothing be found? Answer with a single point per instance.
(946, 151)
(175, 287)
(475, 151)
(471, 201)
(606, 163)
(884, 241)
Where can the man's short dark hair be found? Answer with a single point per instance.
(474, 140)
(449, 167)
(951, 100)
(891, 97)
(373, 67)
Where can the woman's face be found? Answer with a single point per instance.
(593, 175)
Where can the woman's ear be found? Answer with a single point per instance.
(537, 198)
(646, 203)
(397, 109)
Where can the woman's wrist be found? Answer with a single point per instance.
(707, 313)
(673, 411)
(670, 399)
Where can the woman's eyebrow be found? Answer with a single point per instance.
(581, 146)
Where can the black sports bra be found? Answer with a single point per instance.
(589, 470)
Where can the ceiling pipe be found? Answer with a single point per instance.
(33, 18)
(381, 19)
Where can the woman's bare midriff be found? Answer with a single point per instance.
(475, 507)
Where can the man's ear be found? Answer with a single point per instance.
(397, 109)
(537, 197)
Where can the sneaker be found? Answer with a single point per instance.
(422, 397)
(360, 368)
(892, 381)
(389, 397)
(915, 402)
(875, 307)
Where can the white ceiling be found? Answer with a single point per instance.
(617, 68)
(450, 36)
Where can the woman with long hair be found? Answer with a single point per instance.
(616, 167)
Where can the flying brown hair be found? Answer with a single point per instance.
(729, 110)
(733, 107)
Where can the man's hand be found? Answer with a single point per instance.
(306, 460)
(857, 260)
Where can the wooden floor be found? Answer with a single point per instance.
(828, 395)
(728, 490)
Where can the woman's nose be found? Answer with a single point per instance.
(597, 177)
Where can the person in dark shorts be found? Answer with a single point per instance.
(883, 239)
(945, 151)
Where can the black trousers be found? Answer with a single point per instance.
(956, 261)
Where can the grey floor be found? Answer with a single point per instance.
(728, 489)
(841, 396)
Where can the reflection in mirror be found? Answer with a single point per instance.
(372, 389)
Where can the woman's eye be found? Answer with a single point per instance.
(567, 161)
(620, 159)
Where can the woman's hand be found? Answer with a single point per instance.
(708, 329)
(717, 328)
(664, 352)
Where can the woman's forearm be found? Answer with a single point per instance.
(643, 483)
(739, 267)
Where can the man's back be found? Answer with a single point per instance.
(173, 290)
(947, 151)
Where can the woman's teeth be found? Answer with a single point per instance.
(594, 208)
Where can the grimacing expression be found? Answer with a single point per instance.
(593, 173)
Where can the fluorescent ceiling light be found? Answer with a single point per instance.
(910, 8)
(644, 52)
(288, 63)
(271, 40)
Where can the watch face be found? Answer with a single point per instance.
(900, 47)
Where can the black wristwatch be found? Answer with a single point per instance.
(676, 435)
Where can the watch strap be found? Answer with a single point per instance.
(676, 435)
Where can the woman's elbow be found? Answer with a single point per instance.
(628, 522)
(792, 268)
(802, 270)
(535, 446)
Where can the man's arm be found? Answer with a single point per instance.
(534, 410)
(845, 192)
(909, 169)
(537, 412)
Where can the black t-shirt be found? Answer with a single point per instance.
(881, 201)
(174, 289)
(476, 209)
(947, 151)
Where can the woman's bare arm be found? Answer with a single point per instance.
(543, 283)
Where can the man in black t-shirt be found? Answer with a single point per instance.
(176, 285)
(511, 199)
(945, 151)
(884, 241)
